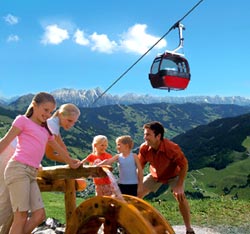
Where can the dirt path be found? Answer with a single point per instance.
(216, 230)
(197, 229)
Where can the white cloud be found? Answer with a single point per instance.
(11, 19)
(134, 40)
(79, 38)
(54, 35)
(137, 40)
(12, 38)
(102, 43)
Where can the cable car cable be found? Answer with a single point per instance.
(139, 59)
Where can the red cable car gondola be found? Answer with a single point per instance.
(170, 70)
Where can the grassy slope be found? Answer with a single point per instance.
(233, 180)
(209, 212)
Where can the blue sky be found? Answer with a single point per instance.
(48, 45)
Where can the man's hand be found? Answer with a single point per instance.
(178, 192)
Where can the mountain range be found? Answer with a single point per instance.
(96, 97)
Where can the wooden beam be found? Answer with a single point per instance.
(65, 172)
(59, 185)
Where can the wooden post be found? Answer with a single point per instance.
(70, 198)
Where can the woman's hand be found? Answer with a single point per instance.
(74, 163)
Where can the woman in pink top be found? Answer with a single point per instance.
(20, 173)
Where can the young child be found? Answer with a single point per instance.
(32, 135)
(99, 146)
(130, 170)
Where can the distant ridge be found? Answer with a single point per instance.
(95, 98)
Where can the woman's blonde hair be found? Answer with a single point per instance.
(97, 140)
(68, 109)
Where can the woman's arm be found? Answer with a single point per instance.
(73, 163)
(52, 154)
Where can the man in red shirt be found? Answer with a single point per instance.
(168, 165)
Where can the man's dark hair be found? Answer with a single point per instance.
(156, 127)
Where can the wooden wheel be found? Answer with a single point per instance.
(131, 216)
(152, 215)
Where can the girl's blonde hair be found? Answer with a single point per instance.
(97, 140)
(68, 109)
(126, 140)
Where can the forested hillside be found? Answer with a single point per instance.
(213, 137)
(115, 120)
(215, 144)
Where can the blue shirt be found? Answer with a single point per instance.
(127, 169)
